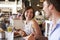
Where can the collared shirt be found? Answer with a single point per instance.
(54, 34)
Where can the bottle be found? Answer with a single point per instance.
(9, 28)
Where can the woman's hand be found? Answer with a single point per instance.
(22, 33)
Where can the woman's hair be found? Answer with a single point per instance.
(27, 8)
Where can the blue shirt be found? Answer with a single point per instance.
(55, 33)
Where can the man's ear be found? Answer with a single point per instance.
(51, 7)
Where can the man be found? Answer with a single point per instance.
(52, 12)
(2, 23)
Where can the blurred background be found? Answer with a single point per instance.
(11, 10)
(14, 7)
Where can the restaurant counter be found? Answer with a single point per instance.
(17, 37)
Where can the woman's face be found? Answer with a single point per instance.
(29, 14)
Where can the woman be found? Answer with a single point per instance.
(31, 29)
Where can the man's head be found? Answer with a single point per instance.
(50, 6)
(55, 3)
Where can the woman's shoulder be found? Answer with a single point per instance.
(34, 21)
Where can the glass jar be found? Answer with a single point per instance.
(9, 29)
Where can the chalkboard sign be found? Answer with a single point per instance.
(2, 0)
(11, 0)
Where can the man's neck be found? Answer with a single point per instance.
(55, 17)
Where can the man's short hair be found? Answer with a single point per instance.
(56, 4)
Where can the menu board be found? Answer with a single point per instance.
(2, 0)
(18, 24)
